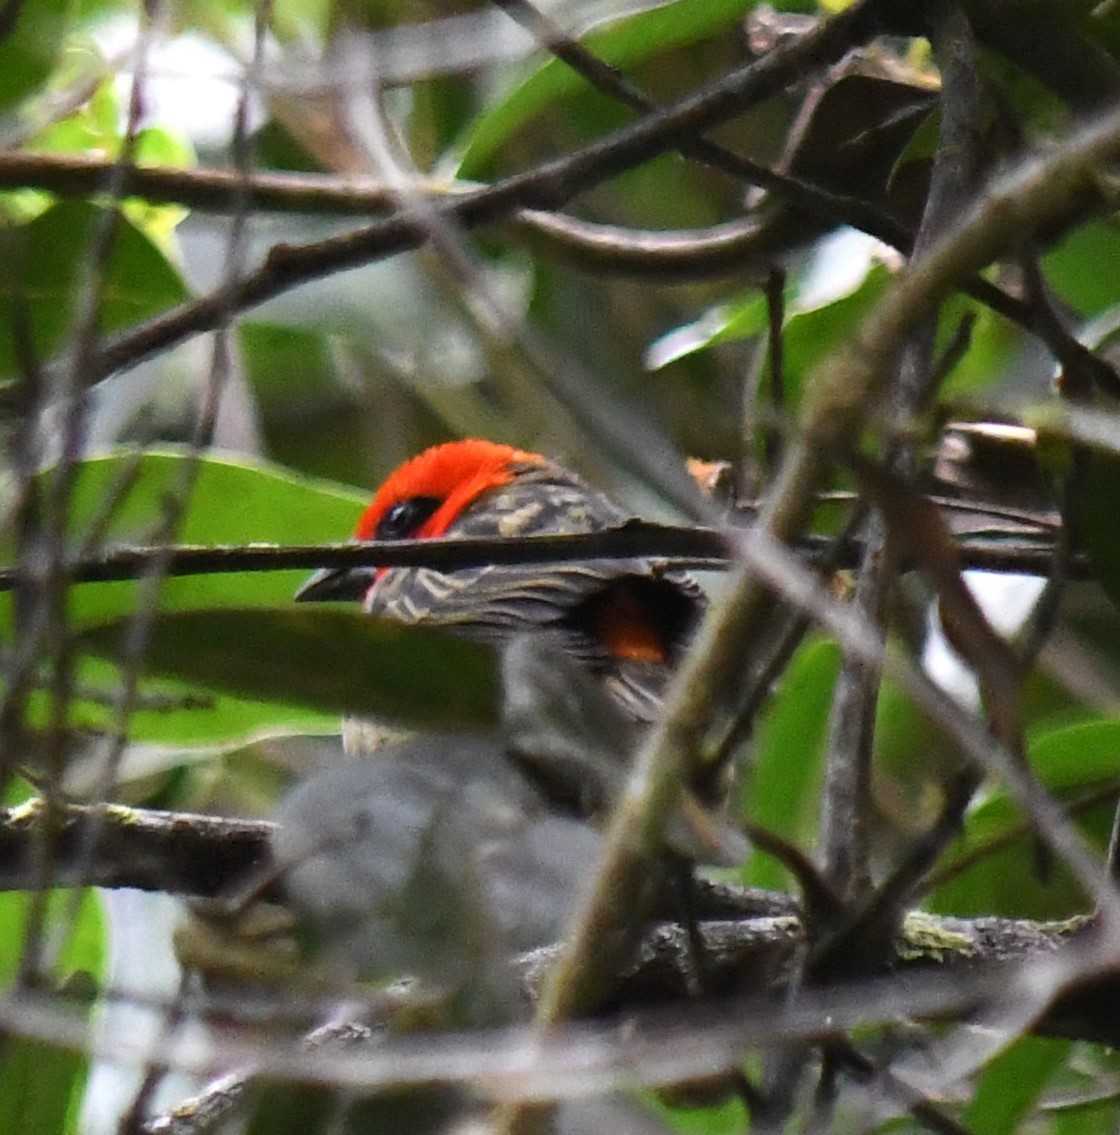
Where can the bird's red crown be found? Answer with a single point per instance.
(455, 473)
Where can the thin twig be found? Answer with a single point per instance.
(677, 545)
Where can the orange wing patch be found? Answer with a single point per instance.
(626, 630)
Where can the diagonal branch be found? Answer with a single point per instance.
(548, 186)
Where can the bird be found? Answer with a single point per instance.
(626, 620)
(379, 854)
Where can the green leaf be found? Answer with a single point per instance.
(1005, 881)
(743, 317)
(1084, 269)
(331, 660)
(810, 332)
(46, 263)
(625, 43)
(728, 1117)
(788, 751)
(92, 127)
(175, 723)
(1011, 1085)
(231, 502)
(993, 343)
(41, 1086)
(83, 947)
(28, 53)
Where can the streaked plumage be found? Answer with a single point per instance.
(626, 619)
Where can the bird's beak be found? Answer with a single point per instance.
(343, 584)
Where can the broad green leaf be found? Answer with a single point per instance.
(83, 948)
(625, 43)
(1084, 269)
(815, 332)
(784, 777)
(230, 502)
(728, 1117)
(41, 1086)
(743, 317)
(28, 53)
(331, 660)
(1005, 881)
(1011, 1085)
(812, 328)
(46, 263)
(174, 723)
(993, 343)
(92, 127)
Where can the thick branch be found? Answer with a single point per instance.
(177, 853)
(202, 856)
(207, 190)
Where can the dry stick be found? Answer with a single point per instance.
(847, 791)
(1027, 994)
(835, 410)
(736, 241)
(520, 1064)
(81, 175)
(851, 731)
(216, 191)
(610, 81)
(682, 252)
(179, 853)
(206, 190)
(996, 550)
(735, 245)
(64, 395)
(142, 619)
(775, 354)
(685, 254)
(210, 856)
(699, 253)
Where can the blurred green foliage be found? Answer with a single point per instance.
(345, 376)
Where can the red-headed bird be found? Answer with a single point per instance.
(626, 619)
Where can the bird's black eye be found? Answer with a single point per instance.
(405, 517)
